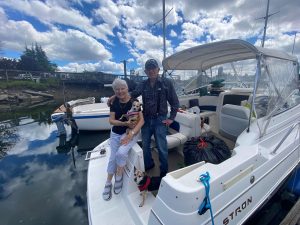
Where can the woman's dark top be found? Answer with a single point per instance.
(119, 109)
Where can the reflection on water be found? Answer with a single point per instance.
(42, 177)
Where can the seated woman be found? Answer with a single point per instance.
(120, 140)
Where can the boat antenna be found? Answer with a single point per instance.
(266, 23)
(64, 93)
(164, 29)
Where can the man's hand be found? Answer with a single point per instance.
(110, 101)
(167, 122)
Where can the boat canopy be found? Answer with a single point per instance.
(205, 56)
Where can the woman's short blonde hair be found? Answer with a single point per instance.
(119, 83)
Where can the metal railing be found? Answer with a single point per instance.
(285, 136)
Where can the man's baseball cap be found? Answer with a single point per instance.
(151, 64)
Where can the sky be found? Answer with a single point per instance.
(97, 35)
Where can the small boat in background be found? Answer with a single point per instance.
(82, 114)
(92, 116)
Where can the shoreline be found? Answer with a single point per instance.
(16, 99)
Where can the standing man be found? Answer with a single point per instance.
(156, 93)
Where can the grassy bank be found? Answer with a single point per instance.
(28, 84)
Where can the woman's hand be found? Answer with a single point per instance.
(126, 139)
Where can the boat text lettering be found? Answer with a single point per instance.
(238, 210)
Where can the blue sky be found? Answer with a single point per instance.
(98, 34)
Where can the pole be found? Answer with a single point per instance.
(64, 93)
(164, 33)
(294, 43)
(265, 27)
(164, 27)
(125, 73)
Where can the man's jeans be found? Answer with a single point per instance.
(154, 126)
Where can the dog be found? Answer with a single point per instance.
(145, 183)
(133, 114)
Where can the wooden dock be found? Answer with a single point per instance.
(38, 93)
(293, 217)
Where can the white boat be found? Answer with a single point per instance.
(92, 116)
(263, 138)
(87, 115)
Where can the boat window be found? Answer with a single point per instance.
(239, 74)
(278, 87)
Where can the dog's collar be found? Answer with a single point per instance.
(132, 113)
(145, 185)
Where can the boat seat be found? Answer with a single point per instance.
(175, 140)
(186, 125)
(194, 109)
(233, 120)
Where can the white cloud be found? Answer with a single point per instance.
(192, 31)
(62, 45)
(51, 14)
(107, 66)
(109, 13)
(87, 38)
(74, 45)
(173, 33)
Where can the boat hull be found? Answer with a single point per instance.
(92, 117)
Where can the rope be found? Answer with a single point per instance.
(205, 205)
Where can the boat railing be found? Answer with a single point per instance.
(285, 136)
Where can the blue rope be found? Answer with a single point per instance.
(205, 205)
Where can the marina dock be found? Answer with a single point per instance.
(38, 93)
(293, 217)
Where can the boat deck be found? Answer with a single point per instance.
(176, 159)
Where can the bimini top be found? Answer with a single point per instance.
(205, 56)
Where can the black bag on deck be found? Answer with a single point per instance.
(208, 148)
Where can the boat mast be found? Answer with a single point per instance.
(266, 23)
(164, 28)
(294, 43)
(164, 33)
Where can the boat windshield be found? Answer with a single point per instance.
(239, 74)
(278, 88)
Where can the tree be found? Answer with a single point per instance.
(35, 59)
(8, 64)
(28, 60)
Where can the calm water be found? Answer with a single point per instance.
(43, 177)
(42, 180)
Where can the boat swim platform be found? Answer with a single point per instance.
(293, 217)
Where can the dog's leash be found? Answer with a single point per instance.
(205, 205)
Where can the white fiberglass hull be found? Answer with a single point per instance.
(92, 116)
(239, 186)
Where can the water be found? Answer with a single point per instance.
(43, 177)
(42, 181)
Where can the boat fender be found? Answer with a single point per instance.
(205, 205)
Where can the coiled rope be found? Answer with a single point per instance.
(205, 205)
